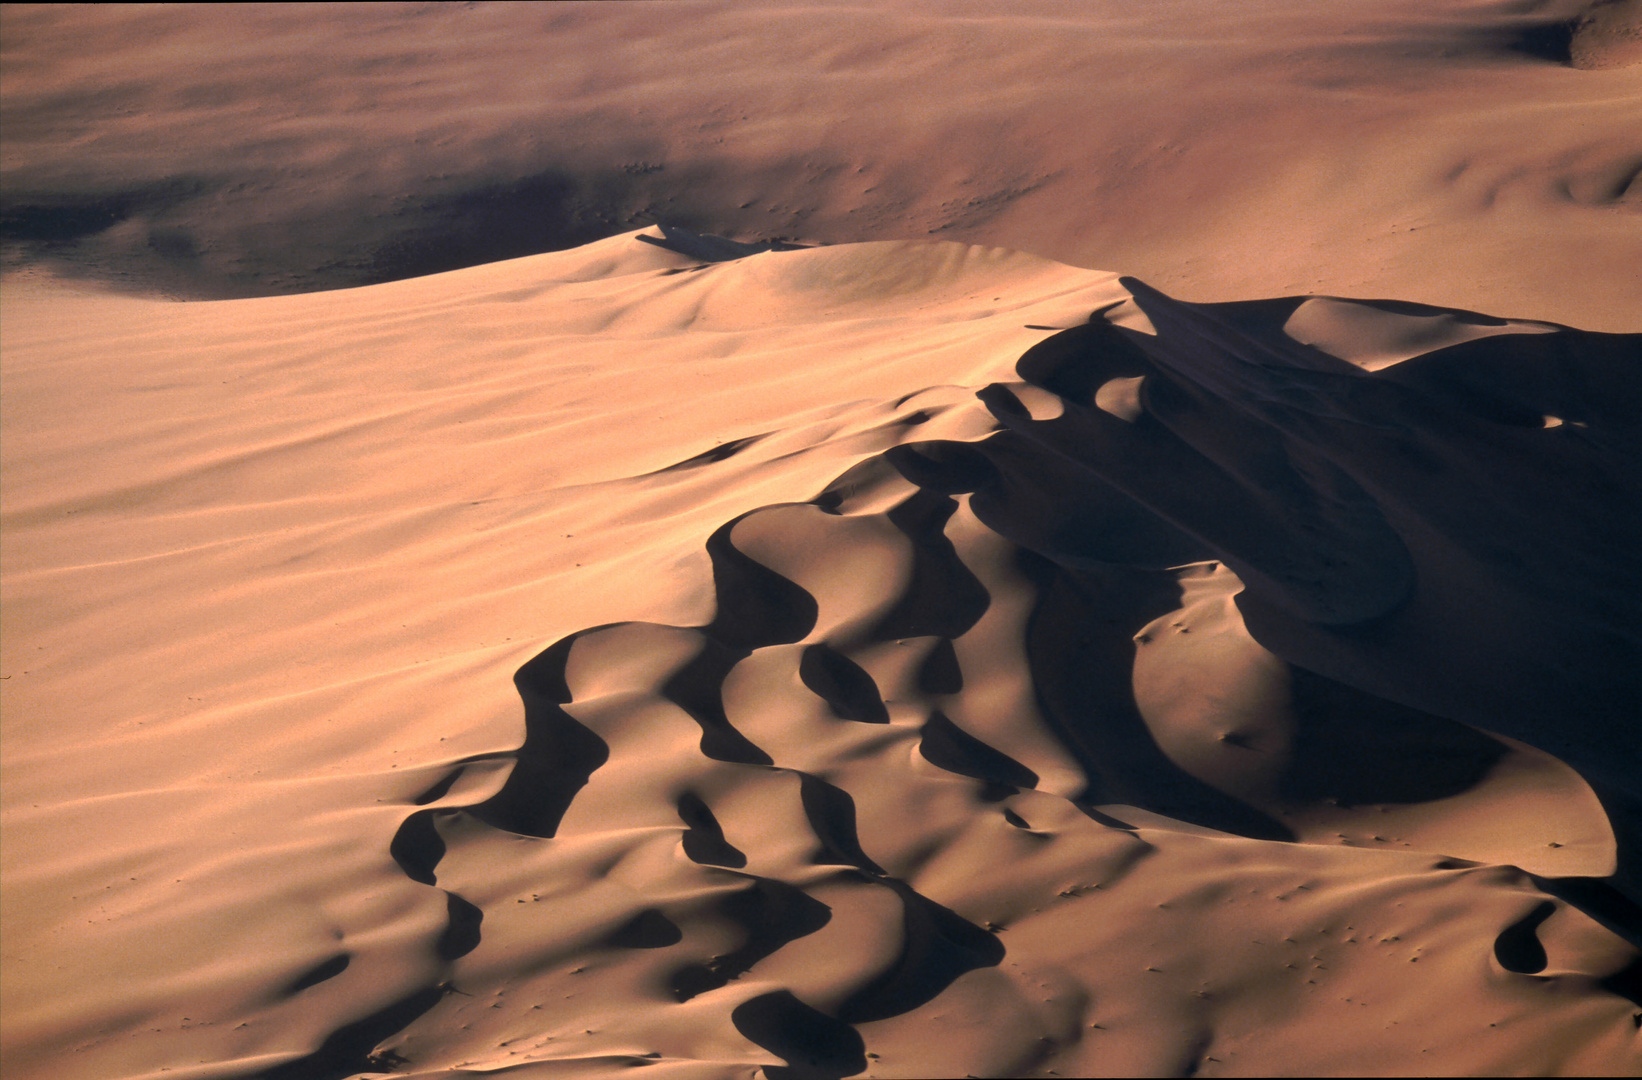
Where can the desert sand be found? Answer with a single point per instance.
(815, 540)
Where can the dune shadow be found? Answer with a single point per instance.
(1216, 439)
(813, 1045)
(1454, 533)
(770, 913)
(1351, 748)
(558, 756)
(351, 1049)
(1080, 647)
(944, 598)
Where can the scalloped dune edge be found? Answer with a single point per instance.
(935, 660)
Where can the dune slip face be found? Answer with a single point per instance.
(987, 667)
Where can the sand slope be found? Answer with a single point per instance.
(701, 651)
(1474, 153)
(862, 716)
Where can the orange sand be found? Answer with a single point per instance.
(934, 659)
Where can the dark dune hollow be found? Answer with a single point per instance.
(1386, 550)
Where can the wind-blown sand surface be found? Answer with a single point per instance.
(1471, 153)
(934, 659)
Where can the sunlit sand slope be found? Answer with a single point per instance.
(934, 660)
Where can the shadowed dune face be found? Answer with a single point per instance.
(1473, 153)
(945, 754)
(1370, 493)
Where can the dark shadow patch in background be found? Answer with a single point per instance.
(703, 838)
(843, 684)
(1548, 41)
(649, 929)
(241, 236)
(948, 746)
(549, 211)
(1518, 948)
(328, 969)
(48, 219)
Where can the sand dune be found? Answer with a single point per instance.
(807, 635)
(1449, 153)
(929, 725)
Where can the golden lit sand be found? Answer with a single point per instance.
(896, 657)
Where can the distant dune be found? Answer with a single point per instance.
(1473, 154)
(817, 540)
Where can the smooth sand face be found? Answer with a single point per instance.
(867, 727)
(1437, 153)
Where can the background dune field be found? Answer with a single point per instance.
(821, 539)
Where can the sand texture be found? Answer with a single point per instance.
(790, 630)
(1470, 153)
